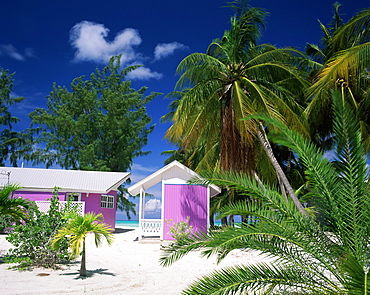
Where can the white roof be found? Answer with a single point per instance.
(171, 171)
(68, 180)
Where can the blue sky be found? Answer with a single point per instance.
(47, 41)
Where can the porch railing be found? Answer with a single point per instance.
(151, 227)
(44, 206)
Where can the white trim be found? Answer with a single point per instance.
(109, 201)
(141, 207)
(73, 194)
(44, 206)
(160, 175)
(162, 211)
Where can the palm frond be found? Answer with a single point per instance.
(353, 33)
(260, 279)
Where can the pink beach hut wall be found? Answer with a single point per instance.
(180, 201)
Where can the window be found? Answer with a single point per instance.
(74, 196)
(106, 201)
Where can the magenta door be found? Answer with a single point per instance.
(182, 201)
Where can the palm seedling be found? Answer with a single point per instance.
(76, 231)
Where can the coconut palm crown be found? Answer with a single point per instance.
(346, 59)
(234, 78)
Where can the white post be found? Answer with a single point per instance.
(162, 212)
(142, 195)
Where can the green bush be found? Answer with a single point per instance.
(181, 230)
(32, 239)
(6, 223)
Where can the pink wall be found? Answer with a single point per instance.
(37, 196)
(92, 203)
(181, 201)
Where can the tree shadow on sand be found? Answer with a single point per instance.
(122, 230)
(90, 274)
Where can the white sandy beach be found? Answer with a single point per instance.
(126, 267)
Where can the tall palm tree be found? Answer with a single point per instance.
(235, 78)
(14, 207)
(330, 256)
(76, 230)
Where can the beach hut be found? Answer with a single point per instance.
(180, 201)
(92, 191)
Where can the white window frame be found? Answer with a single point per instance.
(107, 201)
(73, 194)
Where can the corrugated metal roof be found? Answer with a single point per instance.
(67, 180)
(171, 171)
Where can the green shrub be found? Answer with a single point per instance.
(181, 230)
(32, 239)
(6, 223)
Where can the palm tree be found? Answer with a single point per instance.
(14, 207)
(235, 78)
(330, 256)
(76, 230)
(198, 156)
(346, 59)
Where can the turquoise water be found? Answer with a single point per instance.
(135, 223)
(130, 223)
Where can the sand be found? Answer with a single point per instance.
(126, 267)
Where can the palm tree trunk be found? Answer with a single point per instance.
(224, 221)
(83, 261)
(279, 172)
(211, 220)
(235, 154)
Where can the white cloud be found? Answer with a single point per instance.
(165, 49)
(92, 44)
(14, 53)
(90, 41)
(140, 167)
(29, 52)
(11, 51)
(152, 205)
(143, 73)
(139, 172)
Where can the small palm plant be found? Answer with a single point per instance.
(76, 230)
(327, 254)
(16, 208)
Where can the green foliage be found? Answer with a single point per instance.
(13, 209)
(180, 230)
(100, 124)
(123, 203)
(345, 66)
(309, 257)
(6, 223)
(32, 240)
(10, 141)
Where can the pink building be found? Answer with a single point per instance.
(180, 201)
(93, 191)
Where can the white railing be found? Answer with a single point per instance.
(44, 206)
(151, 227)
